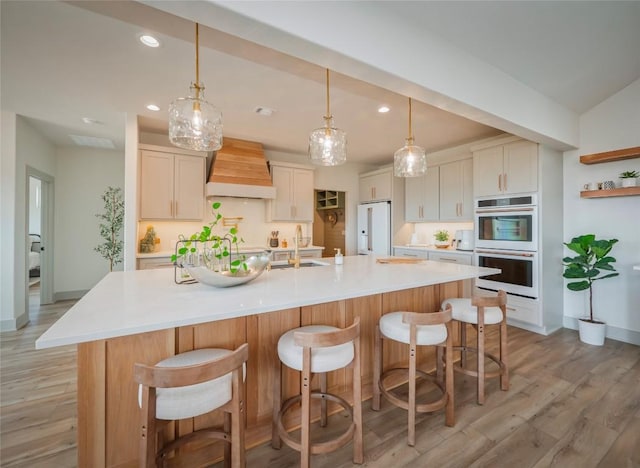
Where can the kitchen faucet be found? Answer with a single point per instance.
(295, 261)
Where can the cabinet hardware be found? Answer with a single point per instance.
(176, 202)
(500, 182)
(446, 260)
(505, 182)
(511, 308)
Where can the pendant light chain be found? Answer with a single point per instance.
(410, 127)
(197, 83)
(328, 116)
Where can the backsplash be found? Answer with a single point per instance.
(253, 228)
(426, 231)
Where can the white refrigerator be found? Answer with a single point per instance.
(374, 228)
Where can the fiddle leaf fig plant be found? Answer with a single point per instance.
(213, 246)
(591, 264)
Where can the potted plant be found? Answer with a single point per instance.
(442, 239)
(629, 178)
(591, 264)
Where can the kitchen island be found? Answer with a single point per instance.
(143, 316)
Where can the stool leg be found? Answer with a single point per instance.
(358, 445)
(439, 373)
(377, 369)
(504, 376)
(237, 422)
(323, 401)
(480, 355)
(305, 429)
(449, 411)
(227, 446)
(463, 343)
(276, 443)
(412, 389)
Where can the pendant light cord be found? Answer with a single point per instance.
(410, 131)
(197, 83)
(328, 116)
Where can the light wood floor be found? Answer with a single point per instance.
(570, 405)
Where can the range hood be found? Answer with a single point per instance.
(239, 169)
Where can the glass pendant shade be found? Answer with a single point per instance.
(410, 160)
(194, 123)
(328, 145)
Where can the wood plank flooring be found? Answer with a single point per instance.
(570, 405)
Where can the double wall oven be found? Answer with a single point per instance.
(507, 238)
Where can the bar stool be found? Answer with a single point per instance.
(480, 311)
(187, 385)
(318, 349)
(416, 329)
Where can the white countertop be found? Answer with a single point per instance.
(244, 249)
(433, 248)
(131, 302)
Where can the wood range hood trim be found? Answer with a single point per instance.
(239, 169)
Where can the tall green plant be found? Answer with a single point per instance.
(111, 224)
(587, 266)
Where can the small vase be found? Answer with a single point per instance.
(628, 182)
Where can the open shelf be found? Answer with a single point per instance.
(610, 156)
(329, 199)
(618, 192)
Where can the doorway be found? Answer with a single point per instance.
(329, 221)
(39, 233)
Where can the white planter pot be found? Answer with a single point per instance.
(591, 333)
(628, 182)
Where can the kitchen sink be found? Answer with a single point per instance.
(281, 265)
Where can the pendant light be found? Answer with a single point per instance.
(410, 160)
(328, 145)
(195, 124)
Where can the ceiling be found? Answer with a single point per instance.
(62, 61)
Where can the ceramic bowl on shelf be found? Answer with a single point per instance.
(255, 265)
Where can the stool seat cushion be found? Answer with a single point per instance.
(322, 359)
(192, 400)
(463, 311)
(392, 327)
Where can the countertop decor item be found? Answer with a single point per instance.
(328, 145)
(582, 271)
(442, 239)
(195, 124)
(111, 223)
(252, 268)
(410, 160)
(629, 178)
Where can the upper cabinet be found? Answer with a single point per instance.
(445, 193)
(456, 191)
(422, 197)
(376, 185)
(506, 169)
(171, 183)
(294, 193)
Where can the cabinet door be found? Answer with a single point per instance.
(431, 194)
(466, 210)
(487, 171)
(366, 189)
(456, 191)
(189, 187)
(282, 205)
(303, 195)
(411, 253)
(414, 199)
(156, 185)
(520, 167)
(382, 186)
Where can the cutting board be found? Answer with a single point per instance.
(400, 260)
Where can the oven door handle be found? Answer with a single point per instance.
(509, 254)
(503, 210)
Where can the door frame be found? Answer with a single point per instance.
(46, 234)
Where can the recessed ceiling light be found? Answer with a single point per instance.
(149, 41)
(383, 109)
(153, 107)
(90, 121)
(265, 111)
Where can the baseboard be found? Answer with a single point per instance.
(532, 328)
(614, 333)
(14, 324)
(69, 295)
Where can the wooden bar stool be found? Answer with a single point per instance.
(318, 349)
(416, 329)
(480, 311)
(187, 385)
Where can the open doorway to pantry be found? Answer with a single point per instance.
(329, 221)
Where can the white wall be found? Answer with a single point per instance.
(83, 174)
(34, 150)
(613, 124)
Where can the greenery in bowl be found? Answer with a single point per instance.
(442, 235)
(585, 268)
(629, 175)
(213, 246)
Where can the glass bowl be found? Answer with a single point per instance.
(256, 264)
